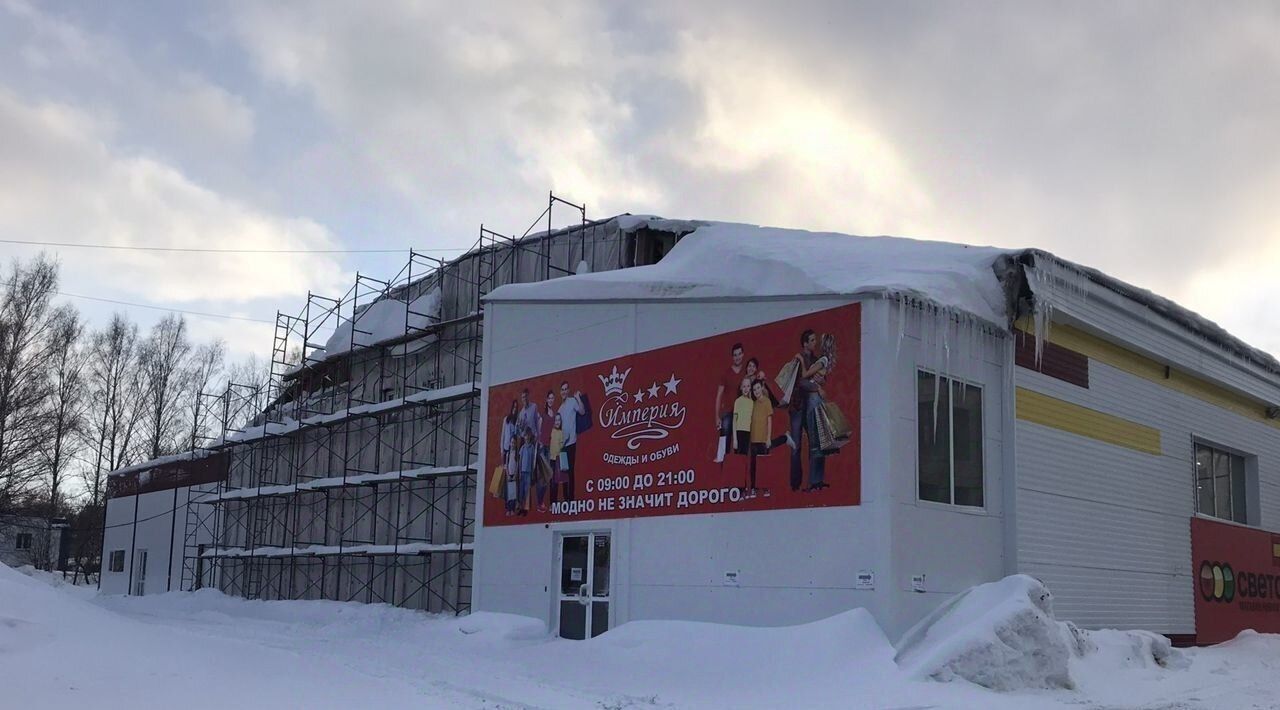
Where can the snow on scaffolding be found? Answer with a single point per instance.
(409, 548)
(289, 424)
(384, 319)
(317, 484)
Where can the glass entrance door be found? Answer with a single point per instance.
(140, 573)
(584, 585)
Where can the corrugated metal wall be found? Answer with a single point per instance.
(1104, 521)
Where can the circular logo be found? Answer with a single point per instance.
(1217, 582)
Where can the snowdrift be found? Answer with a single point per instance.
(61, 649)
(1003, 636)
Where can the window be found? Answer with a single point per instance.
(949, 422)
(1221, 484)
(23, 541)
(117, 561)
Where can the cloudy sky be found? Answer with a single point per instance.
(1139, 138)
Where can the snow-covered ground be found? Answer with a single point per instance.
(63, 647)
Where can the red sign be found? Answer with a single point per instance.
(757, 419)
(1237, 580)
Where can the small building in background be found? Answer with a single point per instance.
(35, 540)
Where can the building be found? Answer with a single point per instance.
(35, 540)
(979, 412)
(996, 412)
(351, 476)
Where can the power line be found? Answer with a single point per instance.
(200, 250)
(96, 528)
(163, 308)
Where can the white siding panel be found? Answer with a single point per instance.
(1108, 528)
(1103, 311)
(1120, 599)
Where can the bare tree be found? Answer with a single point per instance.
(114, 387)
(65, 405)
(25, 324)
(164, 362)
(86, 541)
(205, 366)
(248, 386)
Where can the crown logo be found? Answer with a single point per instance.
(614, 383)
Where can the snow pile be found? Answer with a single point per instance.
(1003, 636)
(726, 260)
(799, 666)
(56, 579)
(1000, 635)
(59, 650)
(1111, 648)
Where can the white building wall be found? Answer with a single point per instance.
(792, 566)
(953, 547)
(1108, 527)
(160, 530)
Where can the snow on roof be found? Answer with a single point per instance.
(727, 260)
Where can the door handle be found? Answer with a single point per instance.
(584, 597)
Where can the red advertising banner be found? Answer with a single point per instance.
(757, 419)
(1237, 580)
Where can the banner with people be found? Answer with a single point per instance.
(762, 418)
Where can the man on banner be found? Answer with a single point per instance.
(805, 402)
(528, 417)
(726, 390)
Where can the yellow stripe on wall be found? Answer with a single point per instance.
(1109, 353)
(1060, 414)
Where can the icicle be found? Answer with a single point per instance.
(945, 316)
(937, 364)
(903, 305)
(1042, 312)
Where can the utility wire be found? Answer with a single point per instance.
(163, 308)
(200, 250)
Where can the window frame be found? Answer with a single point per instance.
(112, 559)
(23, 537)
(951, 461)
(1246, 461)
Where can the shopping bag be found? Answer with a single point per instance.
(564, 460)
(495, 484)
(786, 380)
(584, 419)
(833, 428)
(721, 446)
(544, 471)
(840, 427)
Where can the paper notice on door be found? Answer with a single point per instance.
(575, 574)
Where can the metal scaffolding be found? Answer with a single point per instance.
(352, 468)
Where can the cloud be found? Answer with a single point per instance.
(1135, 138)
(463, 107)
(64, 182)
(625, 112)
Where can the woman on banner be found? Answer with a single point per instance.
(510, 430)
(571, 408)
(545, 468)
